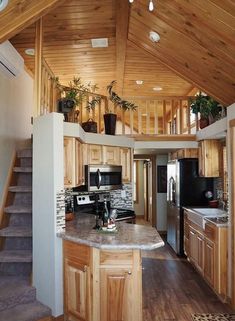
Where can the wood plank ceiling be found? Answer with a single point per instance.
(197, 46)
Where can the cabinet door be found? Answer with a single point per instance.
(126, 162)
(95, 154)
(193, 246)
(209, 157)
(116, 294)
(69, 162)
(111, 155)
(186, 237)
(76, 291)
(209, 261)
(79, 161)
(200, 257)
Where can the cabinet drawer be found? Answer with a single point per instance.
(210, 232)
(112, 257)
(77, 252)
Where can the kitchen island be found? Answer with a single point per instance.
(103, 272)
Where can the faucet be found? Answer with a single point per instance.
(223, 205)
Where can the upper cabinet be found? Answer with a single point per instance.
(77, 155)
(184, 153)
(126, 162)
(209, 158)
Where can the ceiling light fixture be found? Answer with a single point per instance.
(154, 36)
(157, 88)
(3, 4)
(151, 5)
(30, 51)
(99, 43)
(139, 82)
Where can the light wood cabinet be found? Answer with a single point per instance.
(126, 162)
(95, 154)
(209, 268)
(206, 249)
(80, 155)
(116, 286)
(184, 153)
(102, 285)
(69, 161)
(111, 155)
(209, 158)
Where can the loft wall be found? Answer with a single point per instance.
(16, 102)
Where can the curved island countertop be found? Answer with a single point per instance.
(128, 236)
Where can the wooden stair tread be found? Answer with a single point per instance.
(20, 189)
(22, 169)
(16, 256)
(18, 209)
(24, 153)
(16, 231)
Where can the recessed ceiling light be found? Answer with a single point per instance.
(3, 4)
(157, 88)
(139, 82)
(99, 43)
(30, 51)
(154, 36)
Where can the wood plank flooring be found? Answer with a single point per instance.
(173, 290)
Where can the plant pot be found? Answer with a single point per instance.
(90, 126)
(110, 123)
(203, 122)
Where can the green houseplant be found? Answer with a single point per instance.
(209, 109)
(110, 118)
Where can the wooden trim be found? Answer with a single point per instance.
(38, 67)
(154, 191)
(137, 181)
(232, 144)
(95, 295)
(160, 138)
(232, 123)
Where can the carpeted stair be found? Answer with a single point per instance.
(17, 296)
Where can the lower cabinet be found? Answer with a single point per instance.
(76, 290)
(102, 285)
(207, 251)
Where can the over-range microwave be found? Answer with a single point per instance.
(103, 177)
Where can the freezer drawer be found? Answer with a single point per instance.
(174, 228)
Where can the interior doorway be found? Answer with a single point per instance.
(145, 188)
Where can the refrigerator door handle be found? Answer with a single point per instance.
(172, 191)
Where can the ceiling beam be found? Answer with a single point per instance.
(122, 23)
(20, 14)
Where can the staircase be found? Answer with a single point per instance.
(17, 296)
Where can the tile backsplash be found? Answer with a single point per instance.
(60, 210)
(118, 200)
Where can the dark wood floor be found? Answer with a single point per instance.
(173, 290)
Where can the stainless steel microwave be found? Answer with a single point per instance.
(103, 177)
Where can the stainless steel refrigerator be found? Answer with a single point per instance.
(184, 188)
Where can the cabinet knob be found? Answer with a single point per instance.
(129, 272)
(84, 268)
(70, 182)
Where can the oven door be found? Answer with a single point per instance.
(103, 177)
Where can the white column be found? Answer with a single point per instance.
(47, 181)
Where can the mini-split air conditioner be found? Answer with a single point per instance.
(11, 63)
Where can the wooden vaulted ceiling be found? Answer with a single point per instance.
(197, 46)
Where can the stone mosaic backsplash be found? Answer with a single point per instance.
(118, 201)
(60, 210)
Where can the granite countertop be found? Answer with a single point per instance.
(201, 215)
(128, 236)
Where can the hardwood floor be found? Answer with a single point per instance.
(173, 290)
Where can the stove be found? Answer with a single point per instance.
(88, 203)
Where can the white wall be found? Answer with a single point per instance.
(16, 104)
(139, 207)
(161, 200)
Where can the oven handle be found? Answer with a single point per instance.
(99, 179)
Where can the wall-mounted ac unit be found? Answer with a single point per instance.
(11, 63)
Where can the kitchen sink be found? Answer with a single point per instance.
(198, 215)
(218, 219)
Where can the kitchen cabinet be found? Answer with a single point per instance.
(94, 154)
(69, 162)
(76, 282)
(80, 154)
(126, 162)
(111, 155)
(206, 249)
(101, 285)
(209, 158)
(184, 153)
(209, 269)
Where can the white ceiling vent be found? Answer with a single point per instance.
(11, 63)
(99, 43)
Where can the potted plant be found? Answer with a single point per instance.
(111, 118)
(208, 108)
(73, 95)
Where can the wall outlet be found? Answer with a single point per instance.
(123, 194)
